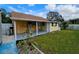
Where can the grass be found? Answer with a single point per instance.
(65, 41)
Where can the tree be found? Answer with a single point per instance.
(64, 25)
(5, 16)
(56, 17)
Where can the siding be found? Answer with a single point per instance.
(21, 27)
(33, 27)
(54, 28)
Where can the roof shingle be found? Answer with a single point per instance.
(26, 17)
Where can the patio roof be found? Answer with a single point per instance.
(26, 17)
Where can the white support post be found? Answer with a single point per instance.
(15, 35)
(36, 28)
(47, 27)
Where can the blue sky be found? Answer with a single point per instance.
(68, 11)
(23, 7)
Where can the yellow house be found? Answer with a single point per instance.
(54, 27)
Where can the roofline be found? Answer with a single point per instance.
(23, 19)
(28, 14)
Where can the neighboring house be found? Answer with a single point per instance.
(55, 18)
(73, 24)
(74, 21)
(54, 26)
(25, 25)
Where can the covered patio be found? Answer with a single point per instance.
(28, 25)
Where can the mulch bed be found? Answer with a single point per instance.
(25, 47)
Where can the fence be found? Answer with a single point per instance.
(73, 26)
(5, 28)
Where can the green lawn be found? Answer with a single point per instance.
(65, 41)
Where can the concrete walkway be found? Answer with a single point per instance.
(7, 38)
(8, 48)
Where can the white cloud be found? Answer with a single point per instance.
(41, 14)
(31, 4)
(29, 12)
(67, 11)
(70, 9)
(50, 7)
(13, 9)
(21, 7)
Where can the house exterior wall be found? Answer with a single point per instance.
(21, 27)
(24, 27)
(42, 26)
(53, 27)
(33, 28)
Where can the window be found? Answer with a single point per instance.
(52, 24)
(55, 24)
